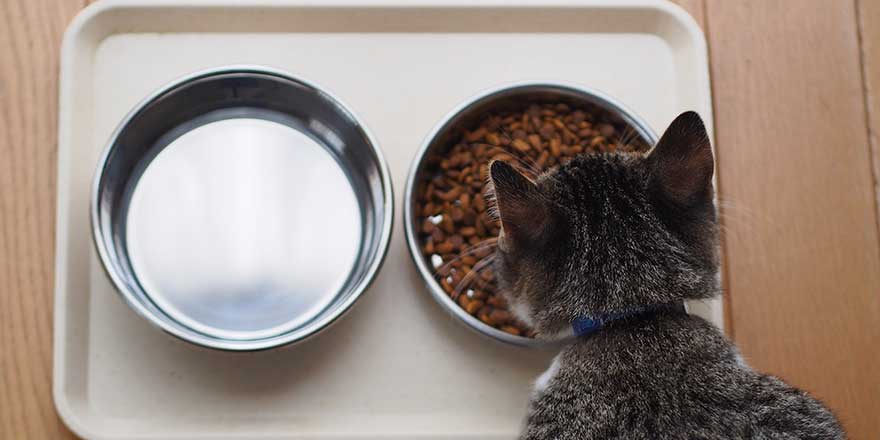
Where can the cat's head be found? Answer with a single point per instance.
(609, 232)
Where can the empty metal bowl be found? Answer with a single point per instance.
(241, 208)
(467, 116)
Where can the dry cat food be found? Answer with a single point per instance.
(457, 233)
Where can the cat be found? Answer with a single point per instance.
(622, 239)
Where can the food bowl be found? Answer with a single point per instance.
(457, 125)
(241, 208)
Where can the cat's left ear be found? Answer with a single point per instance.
(682, 165)
(525, 214)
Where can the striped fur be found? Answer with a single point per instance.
(610, 232)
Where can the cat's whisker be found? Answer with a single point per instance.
(625, 137)
(739, 222)
(731, 214)
(488, 241)
(470, 276)
(491, 204)
(733, 231)
(631, 136)
(505, 133)
(485, 244)
(730, 206)
(524, 161)
(726, 231)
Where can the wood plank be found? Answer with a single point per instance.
(869, 33)
(802, 243)
(30, 37)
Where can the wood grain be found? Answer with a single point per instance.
(790, 123)
(30, 36)
(869, 33)
(794, 165)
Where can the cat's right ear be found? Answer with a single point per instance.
(525, 214)
(682, 165)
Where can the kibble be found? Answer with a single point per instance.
(457, 232)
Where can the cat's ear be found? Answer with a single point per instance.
(681, 165)
(525, 214)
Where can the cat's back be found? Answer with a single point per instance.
(671, 377)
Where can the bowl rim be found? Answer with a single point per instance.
(180, 330)
(591, 95)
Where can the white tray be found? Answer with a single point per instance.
(396, 365)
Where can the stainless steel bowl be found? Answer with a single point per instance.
(241, 208)
(467, 116)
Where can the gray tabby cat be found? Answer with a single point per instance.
(624, 238)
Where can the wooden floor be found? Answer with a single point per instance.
(796, 88)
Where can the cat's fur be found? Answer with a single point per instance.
(613, 232)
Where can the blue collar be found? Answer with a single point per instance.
(588, 325)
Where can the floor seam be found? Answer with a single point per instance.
(868, 112)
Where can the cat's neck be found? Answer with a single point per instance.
(588, 327)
